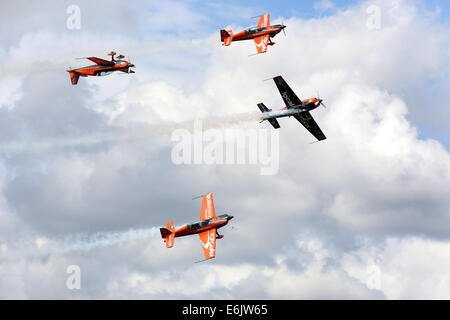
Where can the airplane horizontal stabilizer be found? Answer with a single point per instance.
(74, 76)
(263, 108)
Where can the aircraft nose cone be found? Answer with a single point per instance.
(230, 217)
(283, 26)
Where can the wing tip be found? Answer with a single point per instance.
(201, 196)
(203, 260)
(278, 78)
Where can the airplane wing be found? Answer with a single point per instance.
(261, 43)
(207, 210)
(101, 62)
(289, 97)
(274, 123)
(264, 21)
(308, 122)
(208, 240)
(126, 71)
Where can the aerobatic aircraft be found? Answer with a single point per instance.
(101, 68)
(294, 107)
(261, 34)
(206, 228)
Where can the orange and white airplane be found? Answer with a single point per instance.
(101, 68)
(261, 34)
(206, 228)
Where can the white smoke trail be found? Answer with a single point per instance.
(124, 135)
(79, 242)
(38, 64)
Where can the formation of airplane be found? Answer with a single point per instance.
(209, 223)
(294, 107)
(261, 34)
(101, 68)
(206, 228)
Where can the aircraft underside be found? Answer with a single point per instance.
(282, 113)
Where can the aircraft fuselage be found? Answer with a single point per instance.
(193, 228)
(97, 70)
(307, 105)
(255, 32)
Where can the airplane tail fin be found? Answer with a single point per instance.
(168, 234)
(226, 36)
(74, 77)
(272, 121)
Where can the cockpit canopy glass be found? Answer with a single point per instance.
(251, 30)
(197, 225)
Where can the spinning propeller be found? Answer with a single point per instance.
(130, 65)
(320, 100)
(283, 27)
(232, 225)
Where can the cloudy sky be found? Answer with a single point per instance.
(87, 174)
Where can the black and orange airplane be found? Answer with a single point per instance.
(206, 228)
(261, 34)
(101, 68)
(294, 107)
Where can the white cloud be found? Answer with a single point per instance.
(324, 5)
(372, 194)
(410, 268)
